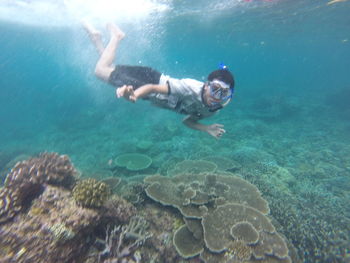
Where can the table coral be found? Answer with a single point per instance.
(133, 161)
(186, 244)
(209, 189)
(226, 218)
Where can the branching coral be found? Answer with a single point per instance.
(91, 193)
(122, 241)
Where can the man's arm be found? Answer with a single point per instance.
(215, 130)
(133, 95)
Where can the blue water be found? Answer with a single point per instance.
(291, 62)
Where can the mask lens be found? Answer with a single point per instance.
(218, 92)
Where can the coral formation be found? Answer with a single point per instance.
(238, 250)
(54, 230)
(61, 233)
(245, 231)
(121, 242)
(210, 190)
(26, 179)
(91, 193)
(144, 145)
(222, 163)
(192, 167)
(186, 244)
(112, 182)
(226, 218)
(55, 227)
(119, 210)
(133, 161)
(217, 224)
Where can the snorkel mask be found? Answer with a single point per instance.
(220, 92)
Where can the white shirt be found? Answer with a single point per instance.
(185, 97)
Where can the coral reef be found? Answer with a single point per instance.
(91, 193)
(222, 163)
(186, 244)
(55, 227)
(134, 192)
(195, 194)
(54, 230)
(316, 223)
(133, 161)
(226, 218)
(121, 242)
(112, 182)
(192, 167)
(118, 210)
(26, 179)
(144, 145)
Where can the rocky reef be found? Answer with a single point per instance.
(42, 220)
(27, 178)
(54, 229)
(204, 214)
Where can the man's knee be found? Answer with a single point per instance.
(103, 72)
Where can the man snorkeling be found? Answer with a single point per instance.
(195, 99)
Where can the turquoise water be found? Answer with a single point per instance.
(291, 108)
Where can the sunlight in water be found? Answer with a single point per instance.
(66, 12)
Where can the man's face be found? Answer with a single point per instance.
(215, 94)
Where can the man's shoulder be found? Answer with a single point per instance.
(192, 82)
(184, 86)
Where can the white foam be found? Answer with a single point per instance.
(66, 12)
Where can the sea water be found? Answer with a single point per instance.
(290, 110)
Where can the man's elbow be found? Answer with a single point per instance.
(186, 120)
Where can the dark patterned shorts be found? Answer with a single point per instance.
(135, 76)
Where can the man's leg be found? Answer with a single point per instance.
(95, 37)
(105, 66)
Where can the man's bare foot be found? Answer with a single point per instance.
(115, 31)
(93, 33)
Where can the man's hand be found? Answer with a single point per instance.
(215, 130)
(127, 92)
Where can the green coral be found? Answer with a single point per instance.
(91, 193)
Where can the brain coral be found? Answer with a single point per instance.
(91, 193)
(26, 179)
(133, 161)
